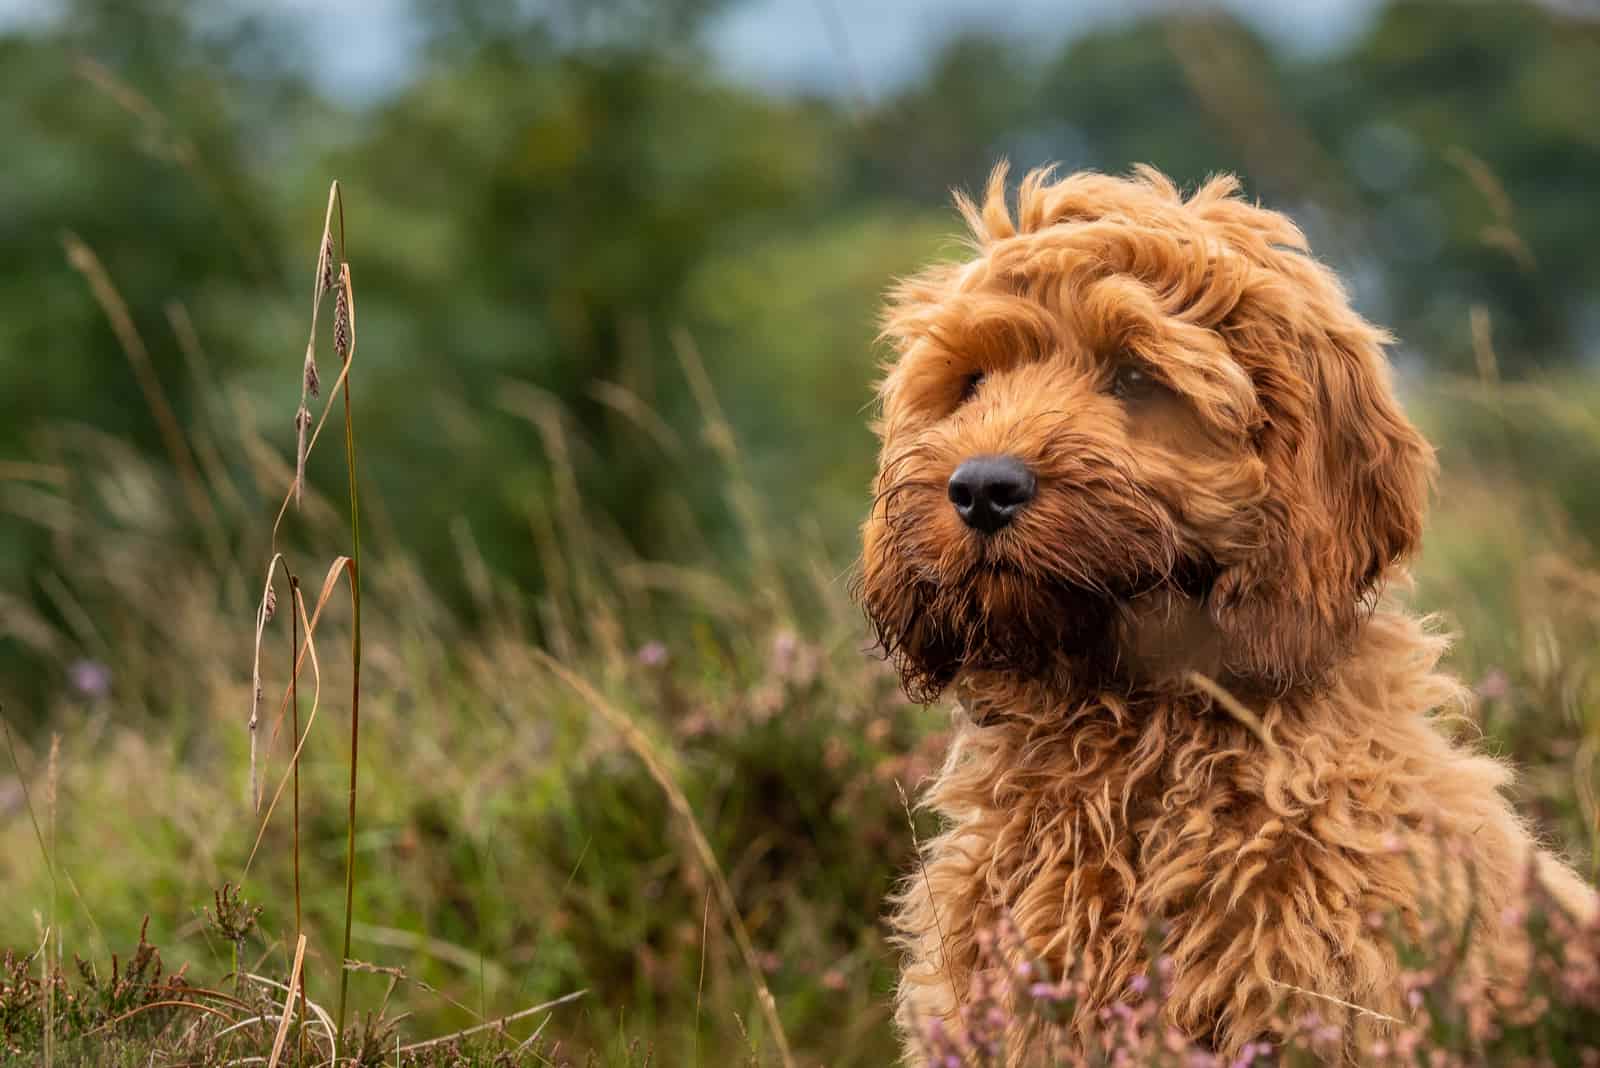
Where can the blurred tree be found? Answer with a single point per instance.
(552, 192)
(122, 131)
(530, 214)
(1470, 134)
(1444, 160)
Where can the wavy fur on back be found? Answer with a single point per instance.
(1234, 513)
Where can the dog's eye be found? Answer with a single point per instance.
(969, 386)
(1130, 380)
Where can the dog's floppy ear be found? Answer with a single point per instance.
(1347, 482)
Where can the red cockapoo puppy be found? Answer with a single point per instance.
(1141, 464)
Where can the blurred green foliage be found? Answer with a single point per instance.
(560, 198)
(555, 225)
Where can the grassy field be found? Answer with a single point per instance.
(668, 793)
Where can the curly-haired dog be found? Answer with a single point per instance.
(1138, 439)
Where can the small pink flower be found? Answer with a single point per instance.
(1494, 685)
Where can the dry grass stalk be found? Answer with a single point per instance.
(307, 433)
(400, 975)
(1483, 346)
(1232, 706)
(922, 861)
(166, 1003)
(632, 407)
(498, 1022)
(340, 566)
(288, 1003)
(203, 431)
(264, 614)
(700, 983)
(741, 490)
(645, 750)
(106, 294)
(296, 613)
(544, 412)
(323, 1019)
(169, 142)
(1502, 233)
(490, 973)
(1352, 1006)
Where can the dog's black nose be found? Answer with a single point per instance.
(988, 491)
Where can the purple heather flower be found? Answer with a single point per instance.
(653, 654)
(90, 678)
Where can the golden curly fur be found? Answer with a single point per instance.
(1225, 483)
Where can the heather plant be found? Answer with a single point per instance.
(135, 996)
(1546, 1013)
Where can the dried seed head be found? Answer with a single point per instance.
(313, 381)
(302, 418)
(269, 607)
(234, 917)
(341, 326)
(327, 262)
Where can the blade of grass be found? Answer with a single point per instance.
(700, 983)
(355, 636)
(296, 607)
(52, 772)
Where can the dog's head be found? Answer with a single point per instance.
(1133, 428)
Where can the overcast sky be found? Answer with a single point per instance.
(825, 44)
(838, 46)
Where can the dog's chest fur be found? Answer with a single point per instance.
(1110, 830)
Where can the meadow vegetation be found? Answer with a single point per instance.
(623, 759)
(514, 848)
